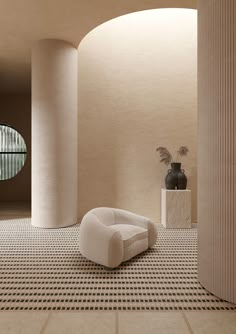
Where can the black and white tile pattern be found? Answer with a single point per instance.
(44, 270)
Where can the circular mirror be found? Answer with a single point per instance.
(12, 152)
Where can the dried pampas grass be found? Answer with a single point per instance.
(166, 157)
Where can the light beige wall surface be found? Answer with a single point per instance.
(15, 110)
(137, 90)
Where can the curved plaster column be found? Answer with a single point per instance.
(217, 147)
(54, 134)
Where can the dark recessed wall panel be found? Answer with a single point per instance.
(15, 111)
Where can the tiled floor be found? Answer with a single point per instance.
(114, 322)
(43, 270)
(211, 322)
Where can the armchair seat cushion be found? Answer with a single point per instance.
(135, 239)
(130, 233)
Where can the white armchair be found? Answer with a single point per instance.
(110, 236)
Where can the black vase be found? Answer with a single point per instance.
(176, 179)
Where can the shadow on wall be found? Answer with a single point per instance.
(137, 90)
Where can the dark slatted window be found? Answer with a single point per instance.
(12, 152)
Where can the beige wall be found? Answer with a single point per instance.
(137, 90)
(15, 110)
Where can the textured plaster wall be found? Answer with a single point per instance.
(137, 90)
(15, 110)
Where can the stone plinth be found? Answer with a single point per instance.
(176, 208)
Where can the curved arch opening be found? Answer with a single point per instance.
(115, 13)
(137, 90)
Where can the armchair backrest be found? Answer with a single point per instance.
(104, 215)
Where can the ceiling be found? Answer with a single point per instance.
(26, 21)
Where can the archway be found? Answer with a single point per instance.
(137, 90)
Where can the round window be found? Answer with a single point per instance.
(12, 152)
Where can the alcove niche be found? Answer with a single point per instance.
(137, 89)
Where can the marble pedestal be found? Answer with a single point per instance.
(176, 208)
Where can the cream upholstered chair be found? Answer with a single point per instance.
(110, 236)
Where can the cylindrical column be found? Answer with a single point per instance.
(54, 134)
(217, 147)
